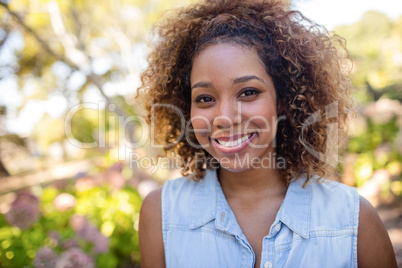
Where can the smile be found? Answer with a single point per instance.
(231, 145)
(235, 142)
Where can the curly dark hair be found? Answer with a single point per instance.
(305, 61)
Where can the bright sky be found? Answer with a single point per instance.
(334, 12)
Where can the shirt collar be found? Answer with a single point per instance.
(204, 202)
(207, 205)
(295, 209)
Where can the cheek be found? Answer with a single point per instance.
(261, 119)
(264, 110)
(201, 123)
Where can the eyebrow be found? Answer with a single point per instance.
(247, 78)
(201, 84)
(236, 81)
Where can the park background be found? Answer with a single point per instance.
(70, 191)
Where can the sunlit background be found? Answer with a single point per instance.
(75, 163)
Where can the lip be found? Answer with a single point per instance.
(233, 149)
(231, 138)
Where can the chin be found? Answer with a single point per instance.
(235, 165)
(244, 162)
(234, 169)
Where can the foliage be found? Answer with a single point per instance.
(375, 45)
(82, 217)
(376, 144)
(76, 52)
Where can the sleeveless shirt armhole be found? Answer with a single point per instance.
(355, 224)
(164, 199)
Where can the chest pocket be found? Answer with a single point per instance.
(316, 252)
(204, 247)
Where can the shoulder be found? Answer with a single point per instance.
(324, 192)
(177, 186)
(374, 248)
(338, 202)
(337, 196)
(170, 196)
(150, 231)
(178, 195)
(326, 186)
(158, 206)
(180, 188)
(152, 200)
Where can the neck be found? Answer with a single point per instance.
(252, 184)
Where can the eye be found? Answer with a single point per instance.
(203, 99)
(249, 92)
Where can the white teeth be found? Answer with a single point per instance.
(234, 143)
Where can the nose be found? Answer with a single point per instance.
(228, 114)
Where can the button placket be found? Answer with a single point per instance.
(268, 245)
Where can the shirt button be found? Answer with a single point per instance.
(267, 265)
(277, 227)
(222, 216)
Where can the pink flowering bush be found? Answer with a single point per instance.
(45, 258)
(75, 257)
(24, 211)
(89, 233)
(73, 226)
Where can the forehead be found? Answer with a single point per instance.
(226, 59)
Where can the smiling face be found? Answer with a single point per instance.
(233, 106)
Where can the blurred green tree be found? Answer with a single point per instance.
(375, 45)
(77, 48)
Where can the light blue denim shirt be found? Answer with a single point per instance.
(316, 226)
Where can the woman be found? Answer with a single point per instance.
(244, 92)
